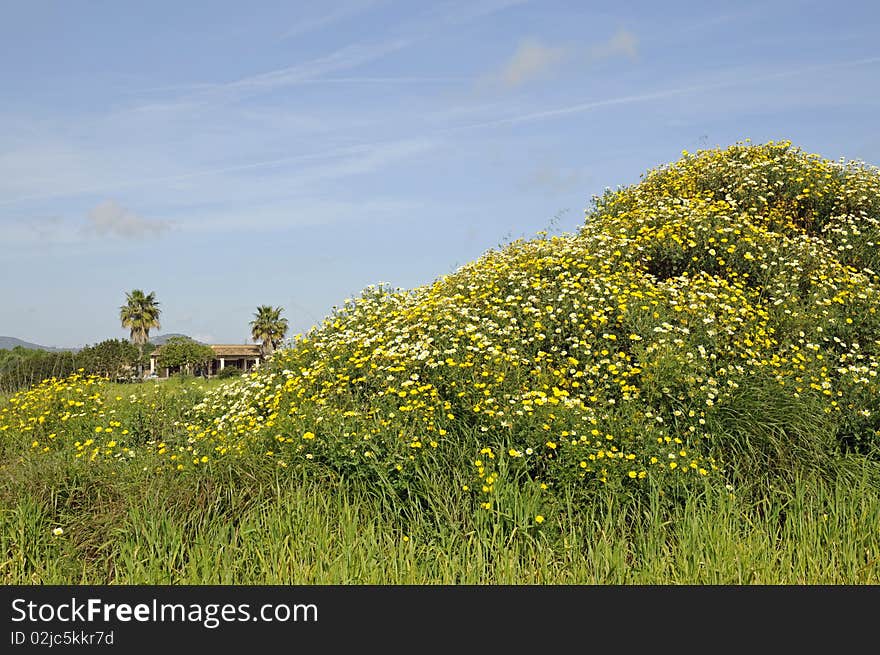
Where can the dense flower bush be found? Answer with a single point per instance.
(716, 318)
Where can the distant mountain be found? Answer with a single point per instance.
(8, 343)
(162, 338)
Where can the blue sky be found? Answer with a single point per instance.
(227, 155)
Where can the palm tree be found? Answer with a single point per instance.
(140, 314)
(268, 328)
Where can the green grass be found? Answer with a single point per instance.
(235, 526)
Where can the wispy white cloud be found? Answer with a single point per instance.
(313, 72)
(330, 17)
(323, 165)
(369, 158)
(344, 58)
(623, 44)
(363, 166)
(532, 60)
(303, 211)
(299, 211)
(733, 81)
(39, 229)
(51, 171)
(112, 219)
(412, 79)
(475, 9)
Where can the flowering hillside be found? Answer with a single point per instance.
(718, 320)
(724, 308)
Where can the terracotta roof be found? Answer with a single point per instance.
(228, 350)
(236, 350)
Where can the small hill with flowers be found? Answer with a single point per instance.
(716, 322)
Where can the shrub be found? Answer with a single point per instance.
(719, 316)
(184, 353)
(229, 372)
(714, 325)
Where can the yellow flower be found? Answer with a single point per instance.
(309, 435)
(539, 519)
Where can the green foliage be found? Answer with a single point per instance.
(21, 367)
(183, 353)
(113, 358)
(68, 522)
(229, 372)
(268, 327)
(140, 314)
